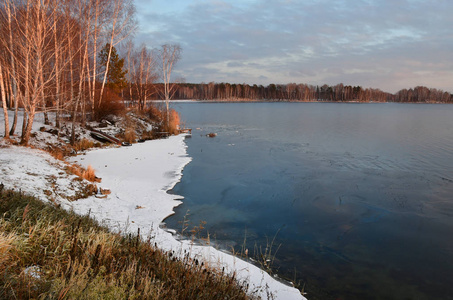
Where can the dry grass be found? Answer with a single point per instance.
(130, 135)
(130, 130)
(105, 191)
(86, 191)
(49, 253)
(88, 173)
(57, 153)
(6, 250)
(83, 145)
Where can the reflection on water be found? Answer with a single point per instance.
(360, 195)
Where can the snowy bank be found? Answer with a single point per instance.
(37, 173)
(139, 178)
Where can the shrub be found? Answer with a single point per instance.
(111, 105)
(172, 126)
(155, 114)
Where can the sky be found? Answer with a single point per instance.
(386, 44)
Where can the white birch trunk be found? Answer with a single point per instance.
(13, 68)
(105, 73)
(57, 76)
(5, 109)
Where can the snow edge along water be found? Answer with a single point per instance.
(140, 177)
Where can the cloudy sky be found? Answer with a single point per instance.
(386, 44)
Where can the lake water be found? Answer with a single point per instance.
(356, 198)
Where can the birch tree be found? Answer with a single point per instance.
(32, 56)
(168, 57)
(122, 24)
(46, 48)
(129, 66)
(36, 55)
(11, 65)
(144, 65)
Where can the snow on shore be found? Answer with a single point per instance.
(139, 178)
(37, 173)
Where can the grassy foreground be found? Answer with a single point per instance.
(50, 253)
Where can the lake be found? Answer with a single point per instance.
(356, 200)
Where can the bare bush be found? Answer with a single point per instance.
(111, 105)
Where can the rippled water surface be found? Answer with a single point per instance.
(358, 197)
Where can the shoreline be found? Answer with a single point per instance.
(292, 101)
(139, 178)
(142, 179)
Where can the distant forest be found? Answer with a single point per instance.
(304, 92)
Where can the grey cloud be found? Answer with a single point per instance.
(310, 41)
(235, 64)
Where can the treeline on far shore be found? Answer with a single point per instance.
(305, 92)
